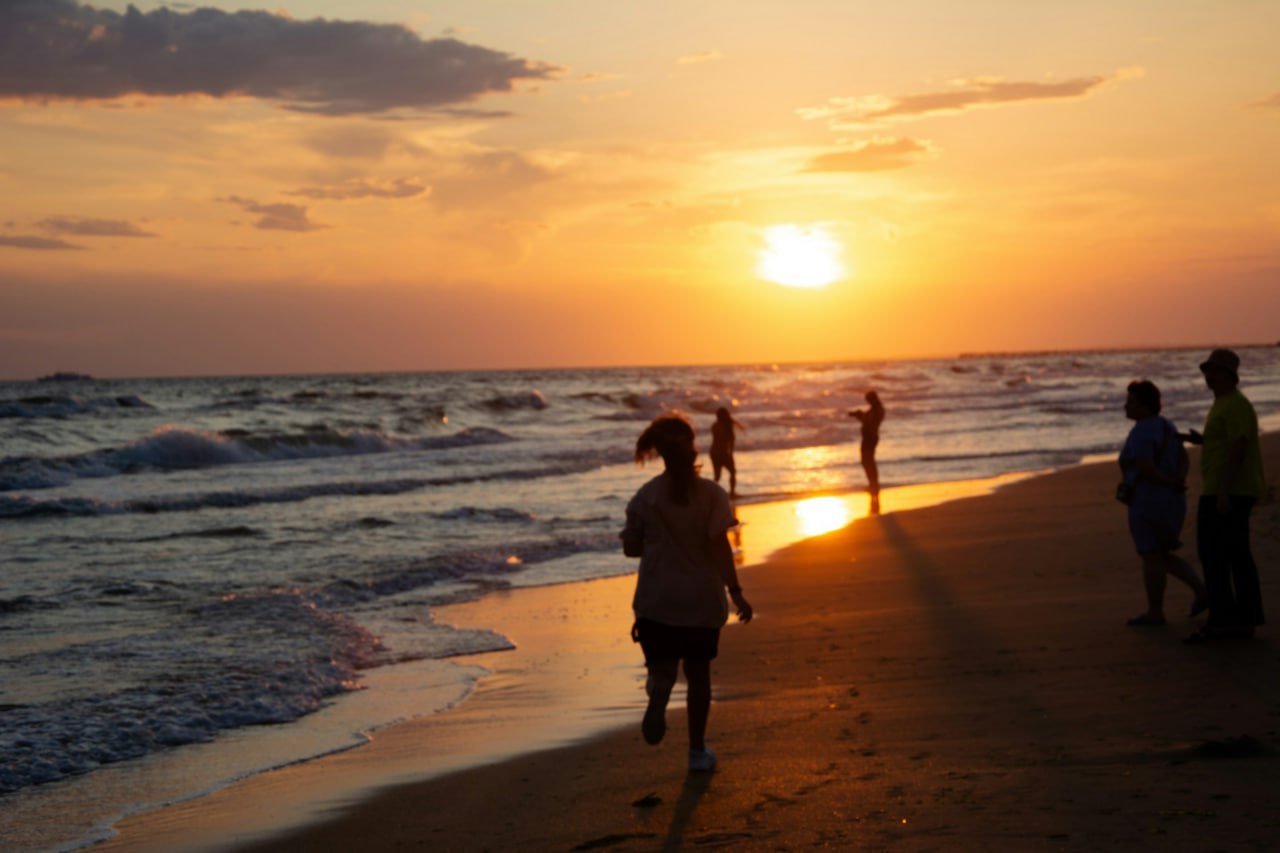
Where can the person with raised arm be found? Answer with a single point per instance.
(871, 419)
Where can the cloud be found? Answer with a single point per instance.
(83, 227)
(399, 188)
(359, 142)
(59, 49)
(277, 217)
(1272, 103)
(483, 177)
(21, 241)
(705, 56)
(861, 111)
(872, 155)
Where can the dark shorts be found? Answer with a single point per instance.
(662, 642)
(1151, 534)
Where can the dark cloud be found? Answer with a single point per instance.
(82, 227)
(59, 49)
(22, 241)
(277, 217)
(873, 155)
(967, 95)
(399, 188)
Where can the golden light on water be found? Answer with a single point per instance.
(822, 515)
(800, 256)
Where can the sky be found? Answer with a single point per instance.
(325, 186)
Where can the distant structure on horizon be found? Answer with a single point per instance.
(65, 376)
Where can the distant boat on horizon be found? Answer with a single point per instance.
(65, 376)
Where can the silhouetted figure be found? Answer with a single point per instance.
(1232, 482)
(870, 420)
(677, 524)
(722, 441)
(1153, 465)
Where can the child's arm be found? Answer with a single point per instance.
(722, 552)
(632, 536)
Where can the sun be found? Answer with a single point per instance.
(800, 256)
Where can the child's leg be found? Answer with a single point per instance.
(697, 675)
(662, 678)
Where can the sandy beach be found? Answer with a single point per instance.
(949, 677)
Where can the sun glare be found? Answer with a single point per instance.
(822, 515)
(800, 256)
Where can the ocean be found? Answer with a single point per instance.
(188, 559)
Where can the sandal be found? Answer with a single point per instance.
(1145, 620)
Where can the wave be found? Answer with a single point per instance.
(18, 507)
(236, 531)
(471, 513)
(176, 448)
(217, 682)
(61, 406)
(509, 402)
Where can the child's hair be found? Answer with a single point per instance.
(671, 437)
(1146, 393)
(723, 416)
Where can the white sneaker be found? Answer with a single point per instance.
(701, 761)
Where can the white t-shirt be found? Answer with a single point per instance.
(678, 582)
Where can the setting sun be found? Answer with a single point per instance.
(800, 256)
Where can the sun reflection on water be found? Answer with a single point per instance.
(822, 515)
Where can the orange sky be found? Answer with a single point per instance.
(389, 185)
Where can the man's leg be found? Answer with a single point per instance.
(1244, 572)
(1211, 546)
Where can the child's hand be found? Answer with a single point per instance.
(744, 607)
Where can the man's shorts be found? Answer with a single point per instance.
(662, 643)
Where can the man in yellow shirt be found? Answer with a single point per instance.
(1232, 481)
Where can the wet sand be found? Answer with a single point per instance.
(943, 678)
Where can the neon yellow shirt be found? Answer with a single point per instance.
(1231, 417)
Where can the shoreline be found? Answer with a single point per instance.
(502, 718)
(971, 684)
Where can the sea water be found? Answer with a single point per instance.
(187, 560)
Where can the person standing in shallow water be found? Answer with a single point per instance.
(678, 524)
(1154, 465)
(722, 441)
(870, 420)
(1232, 481)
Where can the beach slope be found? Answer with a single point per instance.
(952, 677)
